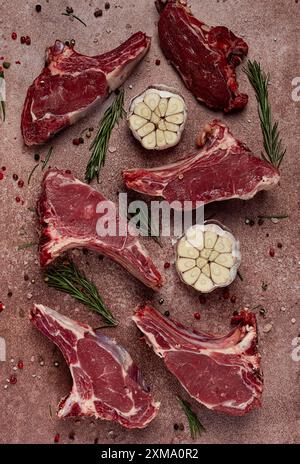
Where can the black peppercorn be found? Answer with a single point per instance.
(38, 8)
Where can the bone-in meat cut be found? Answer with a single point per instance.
(74, 215)
(106, 382)
(71, 84)
(222, 169)
(205, 57)
(220, 372)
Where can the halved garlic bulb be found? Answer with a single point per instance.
(157, 117)
(208, 257)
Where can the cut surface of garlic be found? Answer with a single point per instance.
(208, 257)
(157, 117)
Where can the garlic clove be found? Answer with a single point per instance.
(191, 276)
(160, 138)
(174, 106)
(201, 262)
(136, 122)
(143, 110)
(171, 127)
(213, 256)
(155, 119)
(194, 235)
(163, 104)
(175, 118)
(149, 141)
(219, 274)
(186, 250)
(171, 137)
(206, 270)
(152, 100)
(204, 284)
(210, 239)
(223, 245)
(184, 264)
(145, 130)
(225, 259)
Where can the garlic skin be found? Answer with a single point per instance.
(157, 117)
(207, 257)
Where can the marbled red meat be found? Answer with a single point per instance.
(71, 84)
(220, 372)
(106, 382)
(205, 57)
(222, 169)
(69, 211)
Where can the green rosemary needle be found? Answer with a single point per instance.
(196, 428)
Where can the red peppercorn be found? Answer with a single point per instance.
(272, 252)
(28, 40)
(20, 364)
(76, 141)
(233, 299)
(21, 183)
(18, 62)
(2, 307)
(13, 379)
(1, 175)
(167, 265)
(23, 39)
(226, 294)
(279, 245)
(197, 316)
(18, 199)
(202, 299)
(157, 62)
(56, 438)
(68, 171)
(14, 35)
(15, 177)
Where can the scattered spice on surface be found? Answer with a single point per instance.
(15, 177)
(107, 5)
(157, 62)
(233, 299)
(13, 379)
(161, 301)
(14, 36)
(264, 286)
(167, 313)
(6, 65)
(176, 426)
(279, 245)
(2, 307)
(23, 39)
(20, 364)
(272, 252)
(27, 40)
(1, 176)
(167, 265)
(197, 316)
(9, 294)
(98, 13)
(56, 438)
(18, 199)
(38, 8)
(36, 157)
(260, 221)
(20, 183)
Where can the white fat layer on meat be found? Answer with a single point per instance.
(66, 322)
(119, 75)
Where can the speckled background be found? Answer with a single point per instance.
(272, 30)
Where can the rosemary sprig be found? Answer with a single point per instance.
(274, 152)
(2, 102)
(69, 12)
(67, 278)
(146, 227)
(100, 143)
(196, 428)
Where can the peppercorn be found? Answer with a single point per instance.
(233, 299)
(157, 62)
(260, 221)
(23, 39)
(15, 177)
(167, 265)
(76, 141)
(167, 313)
(37, 157)
(28, 40)
(98, 13)
(197, 315)
(69, 10)
(272, 252)
(81, 140)
(176, 426)
(279, 245)
(107, 5)
(6, 64)
(38, 8)
(161, 301)
(14, 35)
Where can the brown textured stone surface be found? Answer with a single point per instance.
(272, 30)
